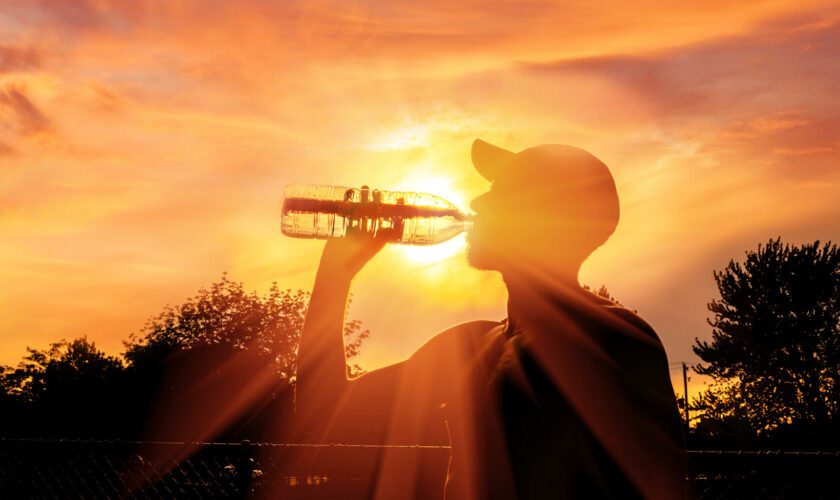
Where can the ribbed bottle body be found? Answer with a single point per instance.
(318, 211)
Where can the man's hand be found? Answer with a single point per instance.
(349, 255)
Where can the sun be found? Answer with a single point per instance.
(433, 254)
(420, 181)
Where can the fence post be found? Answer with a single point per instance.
(245, 469)
(685, 398)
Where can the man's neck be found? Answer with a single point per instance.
(526, 296)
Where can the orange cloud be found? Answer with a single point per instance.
(13, 58)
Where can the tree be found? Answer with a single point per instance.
(222, 364)
(225, 314)
(27, 382)
(72, 379)
(602, 292)
(774, 356)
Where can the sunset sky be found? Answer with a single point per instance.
(144, 147)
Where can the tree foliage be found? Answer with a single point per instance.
(73, 368)
(186, 365)
(72, 379)
(602, 292)
(226, 315)
(774, 356)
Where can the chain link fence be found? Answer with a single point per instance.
(765, 474)
(119, 469)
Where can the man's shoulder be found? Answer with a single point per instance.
(477, 327)
(631, 336)
(461, 339)
(627, 319)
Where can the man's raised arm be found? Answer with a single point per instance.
(322, 383)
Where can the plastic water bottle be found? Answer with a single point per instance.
(313, 211)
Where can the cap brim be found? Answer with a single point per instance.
(488, 159)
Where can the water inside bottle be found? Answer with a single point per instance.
(402, 217)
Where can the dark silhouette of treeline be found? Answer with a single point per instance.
(774, 356)
(182, 378)
(221, 366)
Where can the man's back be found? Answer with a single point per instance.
(516, 429)
(554, 451)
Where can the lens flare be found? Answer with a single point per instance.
(422, 181)
(435, 253)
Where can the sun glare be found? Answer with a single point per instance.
(424, 182)
(414, 136)
(434, 254)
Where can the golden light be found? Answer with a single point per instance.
(434, 254)
(423, 181)
(408, 137)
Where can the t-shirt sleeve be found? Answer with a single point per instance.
(402, 403)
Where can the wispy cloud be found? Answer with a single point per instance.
(20, 113)
(13, 58)
(749, 95)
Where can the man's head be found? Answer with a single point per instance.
(548, 208)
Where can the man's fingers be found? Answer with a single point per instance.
(389, 235)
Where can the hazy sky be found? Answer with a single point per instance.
(144, 146)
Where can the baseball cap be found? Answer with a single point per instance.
(566, 180)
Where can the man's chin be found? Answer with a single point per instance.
(478, 259)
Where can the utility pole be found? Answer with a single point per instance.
(685, 393)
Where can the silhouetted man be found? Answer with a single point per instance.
(569, 397)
